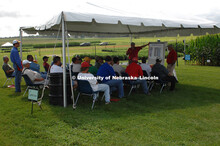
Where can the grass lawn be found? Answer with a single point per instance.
(187, 116)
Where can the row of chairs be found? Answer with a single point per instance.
(84, 87)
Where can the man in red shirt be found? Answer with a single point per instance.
(45, 64)
(133, 51)
(171, 59)
(135, 70)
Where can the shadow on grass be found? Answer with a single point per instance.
(137, 104)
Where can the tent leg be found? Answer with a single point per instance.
(64, 63)
(20, 43)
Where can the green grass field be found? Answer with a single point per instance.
(187, 116)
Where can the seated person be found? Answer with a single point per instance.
(117, 68)
(163, 73)
(56, 68)
(92, 69)
(34, 76)
(145, 66)
(52, 61)
(93, 82)
(135, 70)
(45, 64)
(33, 66)
(9, 71)
(106, 71)
(76, 66)
(99, 62)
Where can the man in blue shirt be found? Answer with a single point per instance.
(33, 66)
(106, 71)
(36, 67)
(16, 60)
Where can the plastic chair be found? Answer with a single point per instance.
(159, 81)
(130, 83)
(30, 84)
(85, 88)
(9, 78)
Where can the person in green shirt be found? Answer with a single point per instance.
(92, 69)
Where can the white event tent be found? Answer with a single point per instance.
(7, 45)
(97, 24)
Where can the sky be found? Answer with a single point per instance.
(15, 14)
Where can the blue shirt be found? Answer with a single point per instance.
(35, 67)
(105, 71)
(15, 58)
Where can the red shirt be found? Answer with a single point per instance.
(134, 70)
(46, 66)
(172, 56)
(133, 52)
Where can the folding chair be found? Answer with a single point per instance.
(129, 83)
(85, 88)
(9, 78)
(117, 74)
(30, 84)
(159, 81)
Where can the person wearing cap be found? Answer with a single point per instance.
(76, 66)
(171, 59)
(9, 71)
(92, 69)
(133, 51)
(163, 73)
(17, 64)
(85, 75)
(135, 70)
(45, 64)
(106, 72)
(117, 68)
(34, 76)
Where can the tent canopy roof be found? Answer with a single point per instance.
(82, 23)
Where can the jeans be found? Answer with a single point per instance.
(43, 75)
(118, 84)
(13, 74)
(105, 88)
(143, 84)
(17, 79)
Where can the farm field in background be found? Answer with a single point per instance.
(187, 116)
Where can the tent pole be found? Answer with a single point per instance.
(21, 42)
(131, 38)
(64, 62)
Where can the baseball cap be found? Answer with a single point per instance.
(135, 59)
(87, 59)
(85, 64)
(158, 59)
(45, 57)
(24, 62)
(15, 42)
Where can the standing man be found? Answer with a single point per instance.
(16, 60)
(171, 59)
(133, 51)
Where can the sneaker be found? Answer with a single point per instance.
(107, 103)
